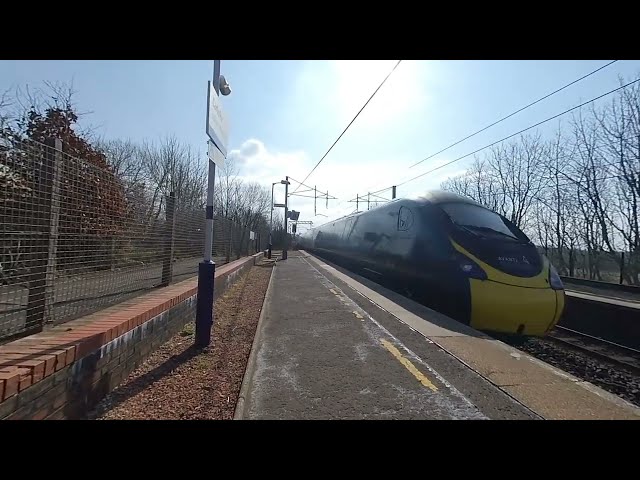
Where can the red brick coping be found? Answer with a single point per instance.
(28, 361)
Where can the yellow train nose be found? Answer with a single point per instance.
(514, 309)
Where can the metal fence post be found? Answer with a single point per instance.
(230, 242)
(622, 268)
(216, 239)
(54, 221)
(113, 253)
(238, 244)
(167, 262)
(43, 264)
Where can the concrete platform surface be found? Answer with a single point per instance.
(333, 345)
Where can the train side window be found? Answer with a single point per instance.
(347, 229)
(405, 219)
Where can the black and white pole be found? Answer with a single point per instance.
(207, 268)
(271, 223)
(286, 218)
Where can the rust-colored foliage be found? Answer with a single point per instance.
(93, 201)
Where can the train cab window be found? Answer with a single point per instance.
(480, 219)
(346, 232)
(405, 219)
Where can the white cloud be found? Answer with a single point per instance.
(343, 180)
(257, 164)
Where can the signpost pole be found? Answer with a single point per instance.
(271, 224)
(207, 268)
(286, 218)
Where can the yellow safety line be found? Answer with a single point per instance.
(409, 366)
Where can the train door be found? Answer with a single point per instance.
(432, 246)
(405, 233)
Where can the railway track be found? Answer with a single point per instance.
(634, 289)
(626, 357)
(608, 365)
(612, 290)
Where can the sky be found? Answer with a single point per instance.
(284, 115)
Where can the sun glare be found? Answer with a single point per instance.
(355, 81)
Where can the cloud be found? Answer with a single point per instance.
(250, 148)
(342, 179)
(257, 164)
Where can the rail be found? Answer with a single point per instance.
(603, 285)
(612, 352)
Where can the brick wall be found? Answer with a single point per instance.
(64, 372)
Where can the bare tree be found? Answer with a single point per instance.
(227, 185)
(252, 202)
(124, 158)
(6, 114)
(171, 166)
(589, 172)
(507, 180)
(555, 209)
(517, 169)
(477, 184)
(619, 124)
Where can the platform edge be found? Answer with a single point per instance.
(251, 362)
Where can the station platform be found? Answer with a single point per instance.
(333, 345)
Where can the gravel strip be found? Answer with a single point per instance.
(593, 370)
(180, 382)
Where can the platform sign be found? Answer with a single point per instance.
(217, 126)
(293, 215)
(215, 155)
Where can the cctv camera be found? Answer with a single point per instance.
(225, 89)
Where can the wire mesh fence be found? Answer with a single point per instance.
(618, 267)
(74, 238)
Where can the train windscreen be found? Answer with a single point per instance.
(478, 219)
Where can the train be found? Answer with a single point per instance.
(453, 255)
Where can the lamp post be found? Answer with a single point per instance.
(286, 218)
(207, 268)
(271, 219)
(283, 182)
